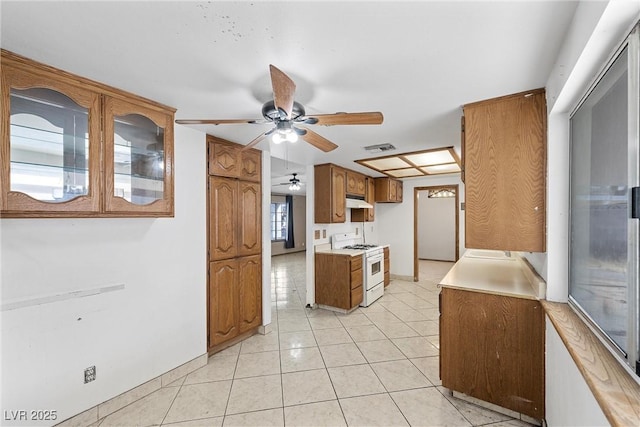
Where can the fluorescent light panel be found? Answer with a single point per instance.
(403, 173)
(416, 163)
(387, 163)
(431, 158)
(437, 169)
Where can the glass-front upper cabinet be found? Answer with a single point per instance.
(50, 147)
(138, 159)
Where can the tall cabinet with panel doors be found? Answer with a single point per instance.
(235, 242)
(504, 165)
(330, 194)
(58, 128)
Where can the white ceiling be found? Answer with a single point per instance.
(417, 62)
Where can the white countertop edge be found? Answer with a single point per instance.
(496, 276)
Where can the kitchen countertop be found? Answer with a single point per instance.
(500, 275)
(325, 248)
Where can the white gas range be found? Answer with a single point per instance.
(372, 264)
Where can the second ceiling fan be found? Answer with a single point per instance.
(288, 115)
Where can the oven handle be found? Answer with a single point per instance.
(374, 258)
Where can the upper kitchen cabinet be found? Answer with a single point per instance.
(138, 159)
(505, 171)
(330, 194)
(230, 160)
(356, 184)
(53, 125)
(50, 145)
(366, 215)
(388, 190)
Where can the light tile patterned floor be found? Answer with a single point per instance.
(377, 366)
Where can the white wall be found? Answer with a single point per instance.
(156, 323)
(596, 31)
(568, 400)
(436, 227)
(394, 222)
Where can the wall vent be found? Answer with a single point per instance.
(379, 148)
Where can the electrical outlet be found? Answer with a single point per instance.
(356, 231)
(324, 234)
(89, 374)
(316, 234)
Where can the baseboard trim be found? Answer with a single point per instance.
(398, 277)
(118, 402)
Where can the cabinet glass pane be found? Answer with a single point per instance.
(49, 142)
(138, 159)
(599, 279)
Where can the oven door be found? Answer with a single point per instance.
(375, 270)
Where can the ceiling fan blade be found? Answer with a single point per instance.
(283, 90)
(371, 118)
(219, 122)
(257, 140)
(318, 141)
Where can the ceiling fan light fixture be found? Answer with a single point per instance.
(291, 137)
(278, 138)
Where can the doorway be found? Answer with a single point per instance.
(436, 225)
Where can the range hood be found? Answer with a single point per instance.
(357, 204)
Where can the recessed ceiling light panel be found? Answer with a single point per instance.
(437, 169)
(387, 163)
(404, 173)
(431, 158)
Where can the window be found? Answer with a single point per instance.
(603, 255)
(278, 221)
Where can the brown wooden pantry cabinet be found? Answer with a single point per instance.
(338, 280)
(235, 242)
(73, 147)
(492, 348)
(504, 163)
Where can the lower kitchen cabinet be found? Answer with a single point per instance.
(235, 298)
(338, 280)
(387, 268)
(492, 348)
(250, 285)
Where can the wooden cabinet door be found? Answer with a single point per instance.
(333, 276)
(223, 215)
(224, 158)
(356, 184)
(505, 172)
(370, 198)
(249, 219)
(223, 301)
(338, 195)
(398, 191)
(387, 267)
(251, 165)
(138, 173)
(250, 292)
(492, 348)
(393, 191)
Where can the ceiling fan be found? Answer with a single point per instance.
(294, 183)
(287, 115)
